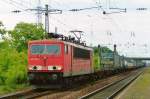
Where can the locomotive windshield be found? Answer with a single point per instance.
(45, 49)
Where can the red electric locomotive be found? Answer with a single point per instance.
(52, 62)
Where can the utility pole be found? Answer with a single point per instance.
(100, 55)
(47, 11)
(41, 11)
(114, 54)
(46, 19)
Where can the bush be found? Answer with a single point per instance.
(13, 54)
(12, 66)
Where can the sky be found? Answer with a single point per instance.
(130, 30)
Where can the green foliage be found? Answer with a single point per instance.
(13, 54)
(12, 66)
(22, 33)
(106, 50)
(16, 73)
(103, 50)
(3, 45)
(2, 30)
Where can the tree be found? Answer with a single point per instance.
(23, 32)
(13, 60)
(2, 30)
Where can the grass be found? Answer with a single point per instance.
(7, 89)
(141, 88)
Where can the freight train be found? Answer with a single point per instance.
(59, 62)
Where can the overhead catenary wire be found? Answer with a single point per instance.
(13, 4)
(59, 21)
(60, 4)
(16, 5)
(20, 3)
(111, 19)
(98, 6)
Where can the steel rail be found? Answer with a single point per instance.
(113, 94)
(123, 87)
(29, 94)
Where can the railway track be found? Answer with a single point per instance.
(113, 89)
(55, 94)
(29, 94)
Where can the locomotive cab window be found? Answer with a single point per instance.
(45, 49)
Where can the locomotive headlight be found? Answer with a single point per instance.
(35, 68)
(30, 68)
(59, 67)
(54, 67)
(39, 67)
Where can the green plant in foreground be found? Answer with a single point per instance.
(13, 54)
(12, 68)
